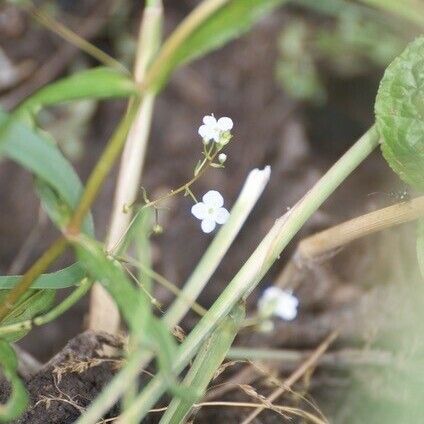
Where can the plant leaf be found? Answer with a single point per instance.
(41, 157)
(61, 279)
(18, 398)
(230, 21)
(31, 304)
(399, 110)
(132, 302)
(207, 361)
(97, 83)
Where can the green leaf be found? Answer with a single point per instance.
(18, 398)
(31, 304)
(133, 304)
(420, 245)
(64, 278)
(230, 21)
(41, 157)
(399, 110)
(97, 83)
(207, 361)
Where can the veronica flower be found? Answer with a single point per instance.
(210, 211)
(216, 130)
(278, 302)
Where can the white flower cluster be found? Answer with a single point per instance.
(278, 302)
(216, 130)
(211, 210)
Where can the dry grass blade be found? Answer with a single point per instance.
(296, 375)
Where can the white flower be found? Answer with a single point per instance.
(222, 157)
(210, 211)
(278, 302)
(216, 130)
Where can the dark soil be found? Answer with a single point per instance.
(67, 383)
(299, 142)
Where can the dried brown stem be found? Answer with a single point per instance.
(296, 375)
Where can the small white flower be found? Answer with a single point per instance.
(216, 130)
(278, 302)
(210, 211)
(222, 157)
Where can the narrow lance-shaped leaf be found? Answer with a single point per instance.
(18, 398)
(206, 363)
(230, 21)
(31, 304)
(41, 157)
(132, 303)
(97, 83)
(399, 110)
(61, 279)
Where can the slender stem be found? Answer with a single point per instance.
(247, 199)
(257, 265)
(338, 359)
(207, 361)
(410, 9)
(295, 376)
(253, 187)
(188, 300)
(72, 37)
(153, 203)
(179, 36)
(58, 310)
(51, 254)
(325, 241)
(95, 181)
(102, 169)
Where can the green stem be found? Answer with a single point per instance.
(179, 36)
(249, 195)
(207, 361)
(58, 310)
(102, 168)
(256, 266)
(39, 266)
(409, 9)
(72, 38)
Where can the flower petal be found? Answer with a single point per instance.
(206, 132)
(199, 210)
(209, 120)
(225, 124)
(208, 225)
(213, 199)
(221, 215)
(286, 313)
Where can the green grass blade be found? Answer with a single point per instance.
(41, 157)
(61, 279)
(33, 303)
(133, 304)
(97, 83)
(207, 361)
(233, 19)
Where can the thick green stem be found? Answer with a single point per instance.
(256, 266)
(207, 361)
